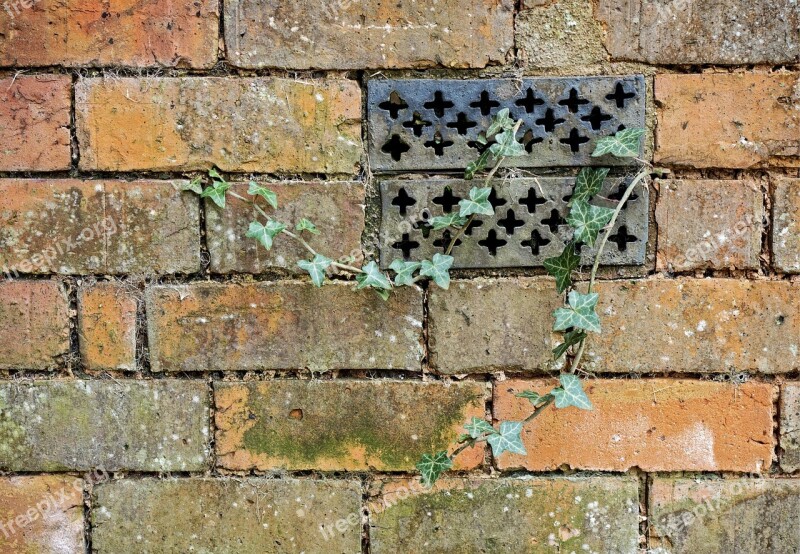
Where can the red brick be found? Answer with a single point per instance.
(264, 125)
(709, 224)
(76, 33)
(372, 34)
(34, 324)
(107, 326)
(735, 120)
(34, 122)
(655, 425)
(73, 226)
(337, 208)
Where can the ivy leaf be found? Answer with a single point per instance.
(316, 268)
(624, 144)
(580, 314)
(450, 220)
(216, 192)
(258, 190)
(195, 185)
(431, 466)
(477, 203)
(477, 165)
(571, 393)
(500, 122)
(570, 339)
(265, 233)
(562, 266)
(373, 277)
(506, 146)
(588, 183)
(533, 396)
(588, 220)
(478, 427)
(405, 272)
(507, 439)
(438, 269)
(306, 225)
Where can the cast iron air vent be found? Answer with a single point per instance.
(528, 225)
(428, 124)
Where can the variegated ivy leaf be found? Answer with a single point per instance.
(438, 269)
(478, 427)
(477, 203)
(570, 339)
(256, 189)
(431, 466)
(216, 192)
(562, 266)
(624, 144)
(477, 165)
(571, 393)
(405, 272)
(500, 122)
(195, 185)
(265, 233)
(588, 183)
(306, 225)
(506, 146)
(580, 314)
(449, 220)
(507, 439)
(373, 277)
(316, 268)
(534, 397)
(588, 220)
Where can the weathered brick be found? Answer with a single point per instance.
(709, 224)
(34, 122)
(372, 34)
(79, 425)
(213, 327)
(264, 124)
(336, 208)
(113, 227)
(331, 425)
(92, 33)
(246, 516)
(41, 515)
(735, 120)
(482, 325)
(596, 514)
(655, 425)
(790, 427)
(732, 32)
(107, 326)
(786, 226)
(698, 325)
(34, 324)
(724, 516)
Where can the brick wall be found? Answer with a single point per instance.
(167, 387)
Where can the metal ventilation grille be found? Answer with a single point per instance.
(426, 124)
(528, 225)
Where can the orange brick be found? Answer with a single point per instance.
(34, 324)
(34, 122)
(94, 33)
(656, 425)
(107, 326)
(735, 120)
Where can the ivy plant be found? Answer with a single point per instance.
(575, 320)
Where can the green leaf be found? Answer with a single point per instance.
(405, 272)
(477, 165)
(450, 220)
(588, 183)
(580, 314)
(571, 393)
(562, 266)
(373, 277)
(506, 146)
(500, 122)
(507, 439)
(215, 175)
(478, 427)
(216, 192)
(259, 190)
(477, 203)
(265, 233)
(533, 396)
(384, 294)
(570, 339)
(624, 144)
(588, 220)
(431, 466)
(438, 269)
(306, 225)
(316, 268)
(195, 185)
